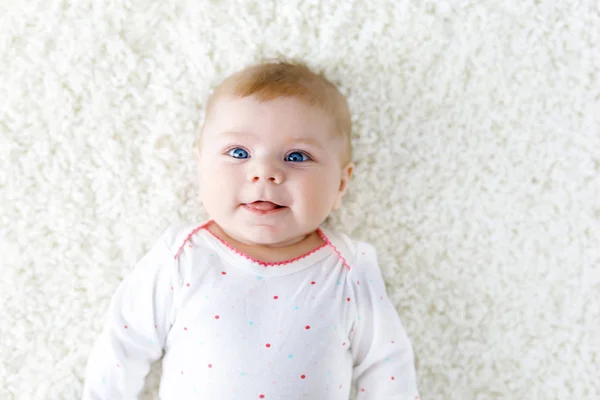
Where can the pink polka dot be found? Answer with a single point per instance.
(184, 328)
(217, 317)
(303, 376)
(118, 366)
(188, 285)
(275, 297)
(358, 282)
(313, 283)
(209, 365)
(125, 326)
(262, 396)
(223, 273)
(307, 327)
(362, 389)
(348, 299)
(268, 345)
(393, 378)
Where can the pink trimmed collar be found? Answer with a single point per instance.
(265, 264)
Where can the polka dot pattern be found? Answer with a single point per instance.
(264, 328)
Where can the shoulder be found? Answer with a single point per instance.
(363, 270)
(176, 235)
(356, 254)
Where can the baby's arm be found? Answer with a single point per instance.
(383, 356)
(135, 329)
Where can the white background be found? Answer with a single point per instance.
(476, 137)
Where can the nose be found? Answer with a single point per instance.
(263, 171)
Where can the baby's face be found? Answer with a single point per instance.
(270, 172)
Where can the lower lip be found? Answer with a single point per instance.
(263, 212)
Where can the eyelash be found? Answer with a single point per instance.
(229, 149)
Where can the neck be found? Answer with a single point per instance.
(283, 251)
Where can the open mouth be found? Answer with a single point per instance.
(263, 207)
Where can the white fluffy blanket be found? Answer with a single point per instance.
(477, 140)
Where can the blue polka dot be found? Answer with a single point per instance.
(329, 373)
(290, 356)
(259, 278)
(339, 282)
(243, 374)
(296, 308)
(212, 254)
(251, 323)
(387, 359)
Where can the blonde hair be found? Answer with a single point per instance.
(289, 78)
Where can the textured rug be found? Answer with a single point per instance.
(477, 143)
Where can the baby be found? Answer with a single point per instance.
(261, 301)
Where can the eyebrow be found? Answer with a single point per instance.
(308, 141)
(303, 140)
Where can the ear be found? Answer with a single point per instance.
(197, 158)
(198, 147)
(345, 180)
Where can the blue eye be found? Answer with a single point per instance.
(297, 156)
(238, 153)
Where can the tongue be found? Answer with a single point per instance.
(263, 205)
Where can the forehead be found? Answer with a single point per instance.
(281, 117)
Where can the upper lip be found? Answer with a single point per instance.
(266, 201)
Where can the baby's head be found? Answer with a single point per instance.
(274, 154)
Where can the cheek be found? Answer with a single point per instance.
(221, 179)
(319, 191)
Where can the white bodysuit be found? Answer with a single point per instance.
(233, 328)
